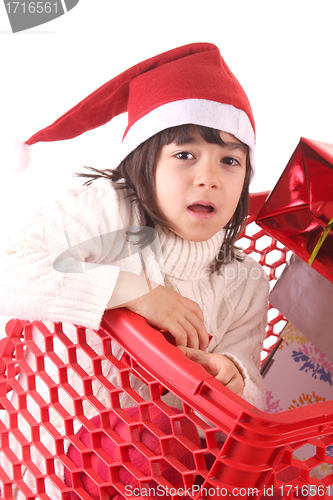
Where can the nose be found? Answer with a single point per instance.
(207, 174)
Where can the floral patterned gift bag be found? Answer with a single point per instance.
(300, 375)
(306, 377)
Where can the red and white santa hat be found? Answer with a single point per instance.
(189, 84)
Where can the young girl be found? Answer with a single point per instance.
(184, 174)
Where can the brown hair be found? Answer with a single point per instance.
(136, 173)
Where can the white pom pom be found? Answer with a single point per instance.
(20, 155)
(14, 154)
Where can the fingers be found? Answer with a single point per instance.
(233, 380)
(220, 367)
(195, 331)
(194, 315)
(197, 356)
(188, 332)
(227, 373)
(168, 310)
(184, 320)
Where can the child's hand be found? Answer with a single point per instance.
(168, 310)
(218, 365)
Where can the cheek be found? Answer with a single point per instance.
(167, 186)
(164, 190)
(235, 194)
(240, 190)
(158, 184)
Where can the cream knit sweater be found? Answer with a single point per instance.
(88, 225)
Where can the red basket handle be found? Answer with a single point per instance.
(153, 352)
(185, 377)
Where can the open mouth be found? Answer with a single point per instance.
(201, 210)
(198, 208)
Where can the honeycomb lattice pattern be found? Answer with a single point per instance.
(88, 415)
(273, 257)
(214, 444)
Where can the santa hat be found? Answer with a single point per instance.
(189, 84)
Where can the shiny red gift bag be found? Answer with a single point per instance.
(300, 207)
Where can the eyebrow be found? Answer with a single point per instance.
(186, 140)
(236, 145)
(230, 144)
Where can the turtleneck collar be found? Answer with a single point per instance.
(188, 260)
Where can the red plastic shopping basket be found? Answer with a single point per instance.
(236, 450)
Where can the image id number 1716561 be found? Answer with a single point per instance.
(32, 7)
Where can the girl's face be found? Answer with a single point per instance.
(198, 184)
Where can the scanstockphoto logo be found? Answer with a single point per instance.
(28, 14)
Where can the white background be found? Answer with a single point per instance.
(280, 51)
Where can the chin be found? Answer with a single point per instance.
(196, 238)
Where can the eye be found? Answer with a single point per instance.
(184, 155)
(229, 160)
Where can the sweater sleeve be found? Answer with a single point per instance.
(60, 267)
(243, 340)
